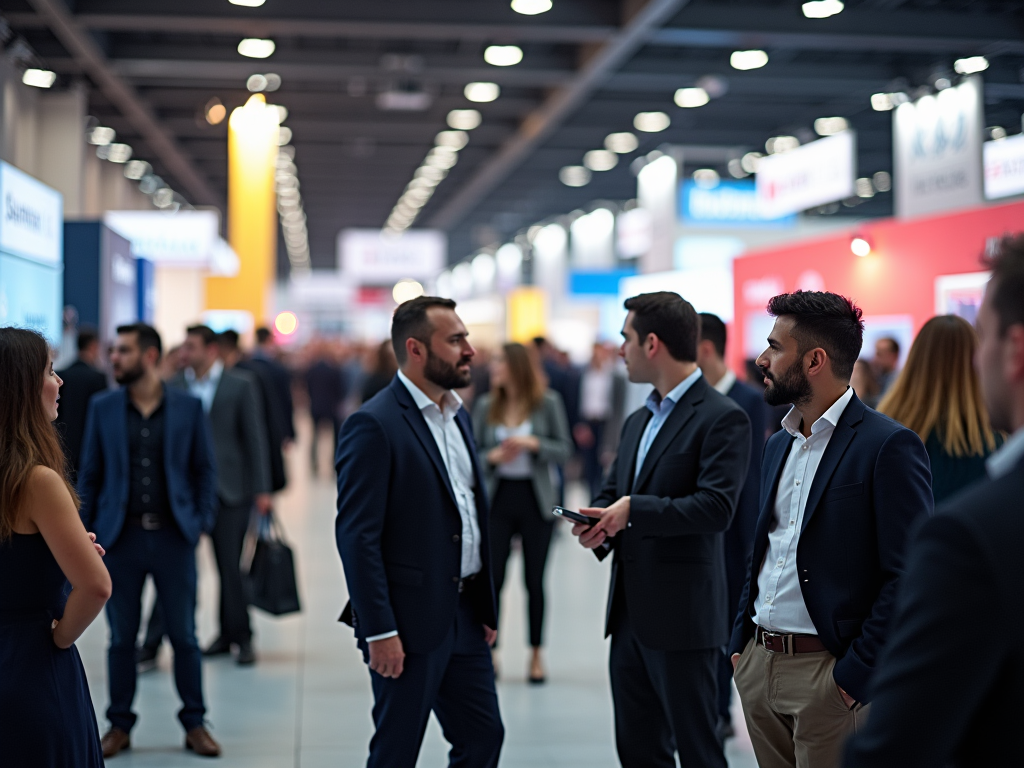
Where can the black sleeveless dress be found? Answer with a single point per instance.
(46, 714)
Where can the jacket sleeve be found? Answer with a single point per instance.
(364, 475)
(556, 447)
(204, 468)
(90, 471)
(902, 495)
(254, 436)
(481, 434)
(721, 472)
(609, 495)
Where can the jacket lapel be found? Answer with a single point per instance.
(628, 449)
(837, 445)
(120, 425)
(422, 431)
(677, 419)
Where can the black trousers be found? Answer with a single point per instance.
(318, 422)
(228, 536)
(665, 702)
(515, 511)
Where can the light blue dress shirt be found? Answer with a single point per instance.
(206, 387)
(661, 407)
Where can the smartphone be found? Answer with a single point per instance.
(576, 517)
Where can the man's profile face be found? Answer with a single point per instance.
(449, 352)
(885, 356)
(783, 366)
(633, 353)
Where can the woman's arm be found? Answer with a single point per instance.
(49, 506)
(556, 446)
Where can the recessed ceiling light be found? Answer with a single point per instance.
(651, 122)
(39, 78)
(748, 59)
(706, 178)
(101, 135)
(829, 126)
(574, 176)
(779, 144)
(503, 55)
(691, 97)
(464, 119)
(623, 143)
(256, 48)
(248, 3)
(971, 65)
(600, 160)
(256, 83)
(481, 92)
(822, 9)
(531, 7)
(453, 139)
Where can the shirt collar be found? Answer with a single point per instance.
(212, 376)
(656, 403)
(830, 418)
(725, 383)
(1003, 461)
(451, 400)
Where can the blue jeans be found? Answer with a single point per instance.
(171, 560)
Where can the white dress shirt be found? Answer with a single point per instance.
(661, 407)
(1003, 461)
(725, 383)
(206, 387)
(596, 392)
(779, 605)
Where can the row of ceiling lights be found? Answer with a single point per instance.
(435, 166)
(289, 208)
(162, 196)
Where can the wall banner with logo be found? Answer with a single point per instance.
(32, 223)
(726, 204)
(1004, 167)
(368, 257)
(817, 173)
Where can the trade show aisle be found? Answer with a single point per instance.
(307, 701)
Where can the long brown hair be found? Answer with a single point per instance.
(27, 437)
(527, 384)
(938, 390)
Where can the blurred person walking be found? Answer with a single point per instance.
(667, 500)
(412, 532)
(886, 362)
(841, 486)
(385, 366)
(81, 380)
(326, 386)
(934, 703)
(46, 714)
(231, 401)
(265, 360)
(521, 433)
(148, 487)
(602, 400)
(938, 395)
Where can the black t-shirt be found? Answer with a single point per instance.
(147, 485)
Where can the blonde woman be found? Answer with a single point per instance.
(938, 396)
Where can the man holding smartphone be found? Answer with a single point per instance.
(665, 505)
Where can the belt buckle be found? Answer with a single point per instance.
(765, 634)
(150, 521)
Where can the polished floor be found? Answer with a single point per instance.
(307, 702)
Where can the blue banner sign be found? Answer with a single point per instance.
(728, 204)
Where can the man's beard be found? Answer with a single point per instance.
(446, 375)
(128, 377)
(792, 387)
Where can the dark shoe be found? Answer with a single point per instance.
(246, 655)
(219, 647)
(725, 729)
(145, 659)
(200, 741)
(115, 740)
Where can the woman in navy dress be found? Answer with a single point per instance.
(52, 580)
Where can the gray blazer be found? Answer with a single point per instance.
(550, 426)
(239, 437)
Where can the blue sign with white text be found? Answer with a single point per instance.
(728, 204)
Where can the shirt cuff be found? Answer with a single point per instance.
(385, 636)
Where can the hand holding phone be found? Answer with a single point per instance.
(575, 517)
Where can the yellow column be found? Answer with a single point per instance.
(526, 315)
(252, 211)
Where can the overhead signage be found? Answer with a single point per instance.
(32, 223)
(727, 204)
(937, 151)
(1004, 167)
(179, 239)
(31, 296)
(370, 258)
(817, 173)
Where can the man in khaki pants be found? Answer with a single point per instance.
(841, 485)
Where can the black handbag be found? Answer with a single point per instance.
(271, 573)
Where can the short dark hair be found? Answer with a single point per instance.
(671, 318)
(263, 335)
(1006, 289)
(205, 332)
(892, 343)
(713, 329)
(410, 322)
(228, 339)
(147, 336)
(86, 338)
(825, 320)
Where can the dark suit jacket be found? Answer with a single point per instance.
(680, 506)
(103, 481)
(739, 539)
(872, 484)
(274, 417)
(81, 382)
(281, 379)
(398, 527)
(949, 682)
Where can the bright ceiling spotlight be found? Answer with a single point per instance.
(736, 169)
(503, 55)
(531, 7)
(101, 135)
(864, 188)
(464, 119)
(744, 60)
(822, 9)
(829, 126)
(600, 160)
(284, 136)
(163, 198)
(256, 48)
(882, 181)
(453, 139)
(215, 112)
(689, 98)
(481, 93)
(256, 83)
(623, 143)
(286, 323)
(574, 176)
(970, 65)
(881, 102)
(778, 144)
(651, 122)
(706, 178)
(859, 246)
(749, 161)
(118, 153)
(136, 169)
(442, 157)
(406, 290)
(39, 78)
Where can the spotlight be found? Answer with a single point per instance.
(860, 247)
(39, 78)
(256, 48)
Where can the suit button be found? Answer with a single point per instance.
(456, 539)
(455, 579)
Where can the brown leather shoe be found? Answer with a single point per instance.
(201, 742)
(114, 741)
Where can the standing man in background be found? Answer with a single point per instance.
(232, 403)
(264, 359)
(739, 539)
(886, 362)
(602, 400)
(82, 379)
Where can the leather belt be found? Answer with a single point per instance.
(148, 521)
(789, 644)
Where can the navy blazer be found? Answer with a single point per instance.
(103, 480)
(398, 528)
(739, 539)
(872, 484)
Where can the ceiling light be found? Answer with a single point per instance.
(464, 119)
(970, 65)
(118, 153)
(864, 188)
(623, 143)
(881, 102)
(150, 183)
(651, 122)
(749, 161)
(454, 139)
(256, 83)
(284, 136)
(822, 9)
(574, 176)
(779, 144)
(689, 98)
(706, 178)
(942, 83)
(531, 7)
(600, 160)
(136, 169)
(101, 135)
(406, 290)
(860, 247)
(503, 55)
(39, 78)
(429, 172)
(882, 181)
(163, 198)
(215, 112)
(288, 152)
(482, 92)
(829, 126)
(736, 169)
(996, 132)
(248, 3)
(273, 81)
(748, 59)
(441, 157)
(256, 48)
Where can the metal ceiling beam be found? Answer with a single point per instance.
(87, 53)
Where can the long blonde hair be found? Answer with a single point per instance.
(938, 390)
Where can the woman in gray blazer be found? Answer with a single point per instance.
(521, 432)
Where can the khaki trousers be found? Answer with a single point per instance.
(795, 714)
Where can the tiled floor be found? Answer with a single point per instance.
(307, 702)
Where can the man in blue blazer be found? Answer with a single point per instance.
(149, 489)
(841, 486)
(412, 534)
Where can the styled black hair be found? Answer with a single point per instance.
(228, 339)
(410, 321)
(87, 336)
(263, 335)
(825, 320)
(713, 329)
(671, 318)
(891, 342)
(205, 332)
(1006, 289)
(147, 336)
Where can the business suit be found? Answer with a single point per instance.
(277, 419)
(667, 600)
(948, 687)
(81, 382)
(400, 536)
